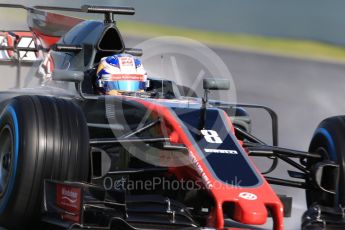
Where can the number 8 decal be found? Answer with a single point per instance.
(211, 136)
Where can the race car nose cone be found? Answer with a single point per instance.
(249, 210)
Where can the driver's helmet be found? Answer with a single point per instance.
(120, 73)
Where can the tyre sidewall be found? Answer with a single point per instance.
(9, 117)
(330, 135)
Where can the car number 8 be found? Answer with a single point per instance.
(211, 136)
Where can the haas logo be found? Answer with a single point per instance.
(126, 61)
(248, 196)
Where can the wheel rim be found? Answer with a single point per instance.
(322, 152)
(6, 154)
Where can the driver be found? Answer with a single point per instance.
(119, 74)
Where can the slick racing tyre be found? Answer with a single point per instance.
(40, 138)
(329, 142)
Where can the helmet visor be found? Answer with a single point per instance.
(124, 85)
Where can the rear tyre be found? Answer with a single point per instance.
(40, 138)
(329, 142)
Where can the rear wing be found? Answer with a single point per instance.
(22, 46)
(50, 27)
(46, 29)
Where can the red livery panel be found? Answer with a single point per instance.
(250, 204)
(69, 199)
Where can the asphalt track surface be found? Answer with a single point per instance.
(302, 92)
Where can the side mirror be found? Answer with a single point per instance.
(211, 84)
(216, 84)
(68, 75)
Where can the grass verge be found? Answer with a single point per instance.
(279, 46)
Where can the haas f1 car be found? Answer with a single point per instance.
(88, 161)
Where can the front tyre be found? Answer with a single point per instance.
(40, 138)
(329, 142)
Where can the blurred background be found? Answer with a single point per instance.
(288, 55)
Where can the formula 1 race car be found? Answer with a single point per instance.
(151, 160)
